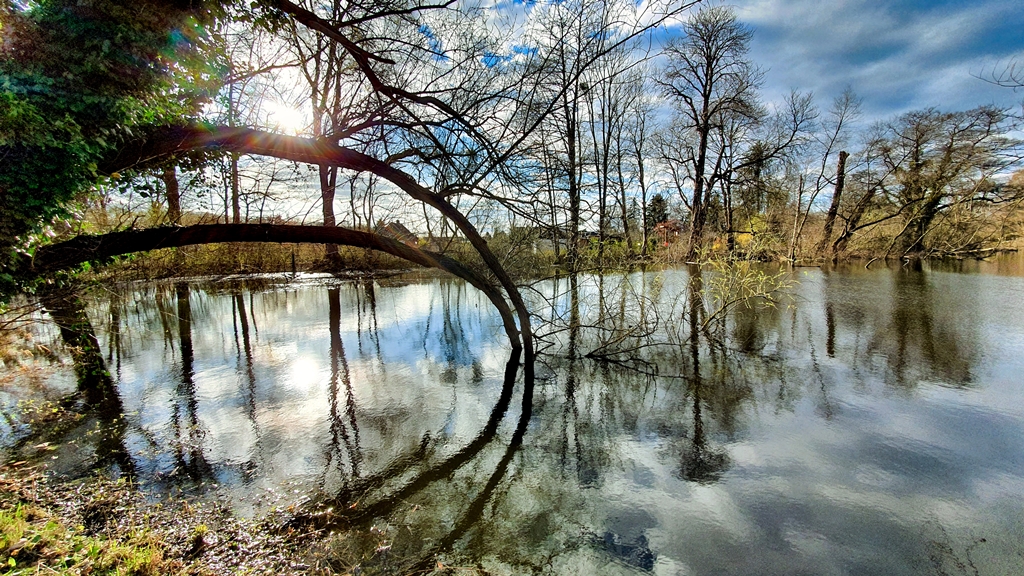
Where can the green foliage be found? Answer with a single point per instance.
(77, 81)
(657, 211)
(518, 252)
(32, 539)
(730, 282)
(615, 253)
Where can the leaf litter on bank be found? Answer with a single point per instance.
(103, 526)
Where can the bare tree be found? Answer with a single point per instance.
(708, 77)
(332, 90)
(610, 90)
(447, 131)
(1010, 75)
(925, 171)
(638, 142)
(832, 134)
(543, 154)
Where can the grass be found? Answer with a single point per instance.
(32, 539)
(101, 526)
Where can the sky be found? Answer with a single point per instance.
(896, 55)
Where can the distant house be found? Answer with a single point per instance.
(397, 231)
(668, 232)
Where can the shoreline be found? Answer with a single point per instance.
(99, 524)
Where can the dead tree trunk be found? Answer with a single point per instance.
(833, 209)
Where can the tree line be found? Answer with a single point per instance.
(775, 181)
(561, 120)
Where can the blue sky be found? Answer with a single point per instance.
(897, 55)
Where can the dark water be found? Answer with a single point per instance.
(870, 423)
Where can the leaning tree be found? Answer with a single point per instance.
(96, 91)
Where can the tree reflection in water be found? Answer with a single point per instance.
(246, 365)
(922, 333)
(644, 435)
(699, 462)
(915, 330)
(102, 408)
(344, 428)
(189, 435)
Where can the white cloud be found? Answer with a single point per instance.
(897, 56)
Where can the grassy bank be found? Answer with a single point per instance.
(100, 526)
(103, 526)
(528, 253)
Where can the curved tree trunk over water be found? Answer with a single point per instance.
(182, 139)
(81, 249)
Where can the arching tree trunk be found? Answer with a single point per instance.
(104, 246)
(247, 141)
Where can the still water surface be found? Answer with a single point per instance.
(872, 422)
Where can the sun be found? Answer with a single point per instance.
(285, 118)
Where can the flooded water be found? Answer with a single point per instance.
(869, 422)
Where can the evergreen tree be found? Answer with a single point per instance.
(657, 211)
